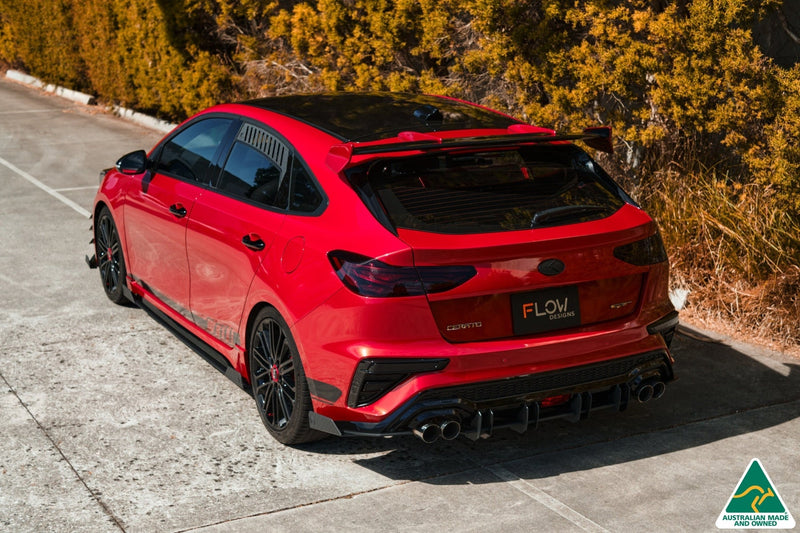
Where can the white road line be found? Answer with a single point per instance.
(52, 192)
(545, 499)
(85, 188)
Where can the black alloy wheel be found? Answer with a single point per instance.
(278, 381)
(110, 261)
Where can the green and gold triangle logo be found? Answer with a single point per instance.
(755, 503)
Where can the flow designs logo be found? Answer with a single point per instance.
(553, 309)
(755, 503)
(545, 310)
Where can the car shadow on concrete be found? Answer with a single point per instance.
(714, 382)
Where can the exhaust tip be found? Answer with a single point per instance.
(428, 433)
(658, 389)
(450, 429)
(645, 393)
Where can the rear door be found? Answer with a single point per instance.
(157, 211)
(232, 229)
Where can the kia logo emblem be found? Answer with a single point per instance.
(551, 267)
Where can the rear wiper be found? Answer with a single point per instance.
(557, 215)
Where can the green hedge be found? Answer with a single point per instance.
(147, 54)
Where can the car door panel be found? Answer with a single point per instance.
(155, 221)
(222, 264)
(159, 209)
(232, 229)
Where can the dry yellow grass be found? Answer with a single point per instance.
(736, 251)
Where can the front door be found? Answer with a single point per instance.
(158, 208)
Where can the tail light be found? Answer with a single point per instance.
(370, 277)
(648, 251)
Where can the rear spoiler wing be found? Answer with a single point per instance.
(339, 155)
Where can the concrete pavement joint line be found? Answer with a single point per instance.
(555, 505)
(61, 453)
(300, 506)
(52, 192)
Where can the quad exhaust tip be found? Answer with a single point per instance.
(450, 429)
(430, 432)
(650, 390)
(644, 393)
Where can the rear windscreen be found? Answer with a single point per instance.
(480, 192)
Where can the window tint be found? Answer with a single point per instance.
(305, 196)
(189, 153)
(516, 189)
(252, 175)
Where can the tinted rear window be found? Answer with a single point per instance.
(481, 192)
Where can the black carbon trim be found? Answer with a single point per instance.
(323, 391)
(604, 385)
(617, 370)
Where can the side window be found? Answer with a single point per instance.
(305, 197)
(189, 154)
(251, 174)
(257, 168)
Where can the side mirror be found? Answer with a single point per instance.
(133, 163)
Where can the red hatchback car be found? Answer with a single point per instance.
(385, 264)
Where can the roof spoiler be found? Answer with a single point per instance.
(339, 155)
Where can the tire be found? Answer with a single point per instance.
(110, 259)
(278, 380)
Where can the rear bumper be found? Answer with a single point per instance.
(520, 403)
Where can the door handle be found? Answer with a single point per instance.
(253, 242)
(178, 210)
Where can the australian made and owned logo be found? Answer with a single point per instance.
(755, 503)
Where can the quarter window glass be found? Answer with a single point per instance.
(189, 154)
(305, 196)
(250, 174)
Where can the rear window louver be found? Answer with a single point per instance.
(266, 143)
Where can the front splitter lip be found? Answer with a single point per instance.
(612, 387)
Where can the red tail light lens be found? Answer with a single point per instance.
(370, 277)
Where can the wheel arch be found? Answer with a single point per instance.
(116, 215)
(250, 324)
(251, 318)
(99, 207)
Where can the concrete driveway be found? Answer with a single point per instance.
(109, 423)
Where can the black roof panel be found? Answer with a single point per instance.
(372, 116)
